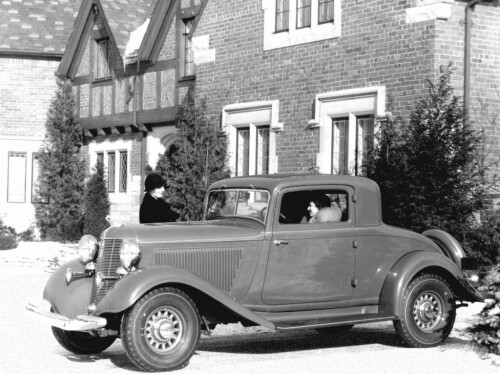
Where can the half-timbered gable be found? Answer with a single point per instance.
(131, 68)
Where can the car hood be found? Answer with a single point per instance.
(206, 231)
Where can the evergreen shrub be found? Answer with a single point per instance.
(8, 237)
(196, 160)
(431, 170)
(96, 203)
(59, 212)
(486, 331)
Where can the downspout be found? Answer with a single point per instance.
(469, 8)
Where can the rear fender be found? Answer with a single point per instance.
(447, 244)
(403, 272)
(70, 299)
(133, 286)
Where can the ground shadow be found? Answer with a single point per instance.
(278, 342)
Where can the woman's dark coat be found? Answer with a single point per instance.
(155, 210)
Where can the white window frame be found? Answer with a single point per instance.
(294, 36)
(349, 104)
(252, 114)
(115, 147)
(19, 195)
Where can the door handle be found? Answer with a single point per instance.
(278, 242)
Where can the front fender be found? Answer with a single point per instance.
(134, 285)
(70, 299)
(405, 269)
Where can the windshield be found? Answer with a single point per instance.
(237, 202)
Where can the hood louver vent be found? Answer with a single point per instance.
(218, 266)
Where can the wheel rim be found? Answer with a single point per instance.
(428, 310)
(163, 330)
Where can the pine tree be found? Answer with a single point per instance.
(96, 203)
(430, 170)
(195, 161)
(62, 171)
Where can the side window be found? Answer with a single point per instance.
(314, 206)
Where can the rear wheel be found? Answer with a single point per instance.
(427, 313)
(162, 330)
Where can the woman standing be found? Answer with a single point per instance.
(154, 208)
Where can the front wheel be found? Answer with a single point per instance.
(161, 331)
(426, 313)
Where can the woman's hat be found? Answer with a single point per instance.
(153, 181)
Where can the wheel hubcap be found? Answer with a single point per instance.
(428, 311)
(163, 330)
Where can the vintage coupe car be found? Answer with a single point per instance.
(256, 259)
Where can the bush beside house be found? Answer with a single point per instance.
(196, 160)
(62, 172)
(96, 203)
(431, 172)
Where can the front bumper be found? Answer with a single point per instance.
(80, 323)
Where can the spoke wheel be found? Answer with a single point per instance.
(161, 331)
(426, 313)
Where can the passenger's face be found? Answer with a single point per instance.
(312, 208)
(158, 192)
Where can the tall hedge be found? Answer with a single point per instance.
(96, 203)
(195, 161)
(62, 172)
(430, 170)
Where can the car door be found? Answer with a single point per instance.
(311, 262)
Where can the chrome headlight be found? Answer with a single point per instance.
(130, 254)
(87, 248)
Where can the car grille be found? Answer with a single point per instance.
(107, 263)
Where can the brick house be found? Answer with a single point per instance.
(298, 84)
(33, 36)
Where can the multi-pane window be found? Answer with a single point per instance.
(340, 146)
(303, 13)
(282, 15)
(242, 151)
(16, 177)
(188, 60)
(123, 171)
(262, 154)
(325, 11)
(350, 146)
(111, 171)
(365, 138)
(116, 167)
(252, 142)
(102, 68)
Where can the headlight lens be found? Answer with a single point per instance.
(130, 254)
(87, 248)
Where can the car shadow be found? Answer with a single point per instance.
(279, 342)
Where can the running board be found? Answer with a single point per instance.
(330, 322)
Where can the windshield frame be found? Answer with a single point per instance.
(246, 203)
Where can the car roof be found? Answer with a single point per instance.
(274, 182)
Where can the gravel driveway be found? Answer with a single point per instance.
(28, 347)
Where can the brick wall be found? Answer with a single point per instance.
(485, 70)
(26, 90)
(377, 47)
